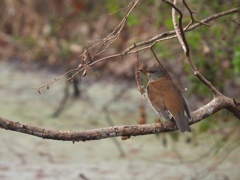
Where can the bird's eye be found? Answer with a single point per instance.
(152, 71)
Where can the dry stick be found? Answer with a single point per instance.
(159, 62)
(183, 41)
(166, 34)
(177, 30)
(147, 44)
(112, 36)
(122, 9)
(141, 89)
(157, 58)
(191, 15)
(116, 32)
(234, 21)
(137, 77)
(54, 80)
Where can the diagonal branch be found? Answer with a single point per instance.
(183, 41)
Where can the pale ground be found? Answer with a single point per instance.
(28, 158)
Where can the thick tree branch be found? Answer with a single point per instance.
(218, 103)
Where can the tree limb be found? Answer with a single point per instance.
(218, 103)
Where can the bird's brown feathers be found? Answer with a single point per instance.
(164, 96)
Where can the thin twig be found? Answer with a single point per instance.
(55, 79)
(170, 34)
(113, 36)
(156, 57)
(143, 45)
(176, 28)
(160, 64)
(234, 21)
(191, 15)
(121, 9)
(137, 76)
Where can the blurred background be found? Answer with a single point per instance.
(42, 39)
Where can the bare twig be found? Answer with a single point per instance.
(176, 28)
(137, 77)
(112, 37)
(164, 36)
(234, 21)
(191, 15)
(54, 80)
(122, 9)
(170, 34)
(143, 115)
(142, 45)
(183, 41)
(160, 64)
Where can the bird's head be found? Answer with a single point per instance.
(154, 73)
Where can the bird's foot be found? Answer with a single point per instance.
(159, 120)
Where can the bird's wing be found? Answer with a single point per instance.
(176, 105)
(173, 99)
(186, 109)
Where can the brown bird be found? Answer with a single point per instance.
(166, 99)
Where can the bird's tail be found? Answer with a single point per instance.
(182, 123)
